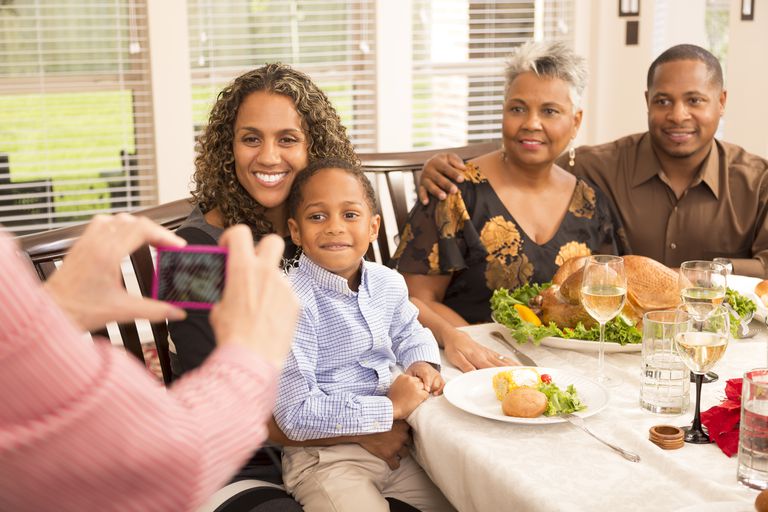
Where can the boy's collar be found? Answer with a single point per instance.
(327, 279)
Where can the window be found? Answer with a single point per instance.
(75, 111)
(459, 49)
(331, 41)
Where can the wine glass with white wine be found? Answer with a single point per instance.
(700, 346)
(603, 292)
(702, 289)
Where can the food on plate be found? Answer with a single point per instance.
(527, 314)
(524, 402)
(525, 393)
(650, 286)
(761, 290)
(557, 305)
(507, 380)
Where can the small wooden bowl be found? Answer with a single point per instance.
(666, 437)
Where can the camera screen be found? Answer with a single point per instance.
(190, 277)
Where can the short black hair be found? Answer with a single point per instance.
(295, 197)
(689, 52)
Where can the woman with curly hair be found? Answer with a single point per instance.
(264, 128)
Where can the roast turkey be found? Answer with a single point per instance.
(650, 286)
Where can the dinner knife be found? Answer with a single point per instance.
(527, 361)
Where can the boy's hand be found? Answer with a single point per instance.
(406, 393)
(431, 379)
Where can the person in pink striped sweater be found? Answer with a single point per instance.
(83, 426)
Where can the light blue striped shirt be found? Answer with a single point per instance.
(338, 372)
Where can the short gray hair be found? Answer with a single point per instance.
(551, 60)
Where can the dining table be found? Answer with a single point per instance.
(485, 465)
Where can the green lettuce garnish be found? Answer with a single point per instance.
(560, 401)
(619, 330)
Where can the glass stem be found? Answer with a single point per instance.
(697, 414)
(601, 353)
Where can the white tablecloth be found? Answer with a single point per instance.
(486, 465)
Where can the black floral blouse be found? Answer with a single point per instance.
(472, 236)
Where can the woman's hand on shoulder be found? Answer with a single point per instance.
(440, 175)
(467, 354)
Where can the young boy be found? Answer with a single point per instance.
(356, 324)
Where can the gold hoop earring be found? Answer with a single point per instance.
(572, 156)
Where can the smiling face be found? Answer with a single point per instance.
(538, 121)
(269, 145)
(334, 224)
(684, 109)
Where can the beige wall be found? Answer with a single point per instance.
(615, 105)
(747, 80)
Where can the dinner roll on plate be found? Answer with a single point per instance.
(524, 402)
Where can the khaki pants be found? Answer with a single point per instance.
(347, 478)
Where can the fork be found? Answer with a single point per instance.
(579, 422)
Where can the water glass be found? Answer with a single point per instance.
(664, 382)
(753, 432)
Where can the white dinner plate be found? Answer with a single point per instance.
(745, 285)
(473, 392)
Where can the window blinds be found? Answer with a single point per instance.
(332, 41)
(75, 111)
(459, 50)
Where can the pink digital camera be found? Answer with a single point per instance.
(190, 277)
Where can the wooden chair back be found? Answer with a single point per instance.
(48, 248)
(395, 177)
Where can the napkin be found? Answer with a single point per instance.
(722, 421)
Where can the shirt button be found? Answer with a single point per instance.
(673, 245)
(375, 424)
(338, 427)
(675, 208)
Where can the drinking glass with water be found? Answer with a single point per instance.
(753, 431)
(664, 383)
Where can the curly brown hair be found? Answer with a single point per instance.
(216, 184)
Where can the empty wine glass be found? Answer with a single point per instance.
(603, 292)
(702, 287)
(700, 346)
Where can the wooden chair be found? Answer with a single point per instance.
(46, 249)
(395, 177)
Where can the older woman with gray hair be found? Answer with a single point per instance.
(517, 216)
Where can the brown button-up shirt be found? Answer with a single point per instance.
(723, 213)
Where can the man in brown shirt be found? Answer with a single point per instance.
(681, 194)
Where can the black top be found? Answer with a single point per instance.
(193, 337)
(194, 341)
(474, 237)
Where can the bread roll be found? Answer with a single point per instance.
(524, 402)
(761, 290)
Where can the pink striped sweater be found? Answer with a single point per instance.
(84, 427)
